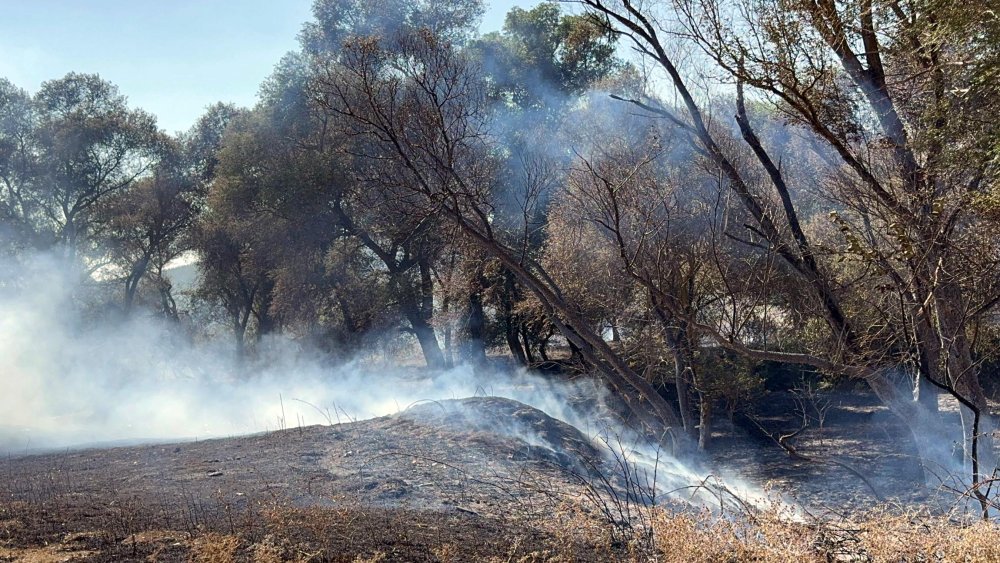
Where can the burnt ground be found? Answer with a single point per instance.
(396, 485)
(405, 485)
(859, 456)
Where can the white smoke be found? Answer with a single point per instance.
(70, 383)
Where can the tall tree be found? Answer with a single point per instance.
(90, 145)
(19, 220)
(145, 227)
(876, 87)
(421, 106)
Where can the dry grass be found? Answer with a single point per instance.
(895, 537)
(575, 532)
(575, 529)
(772, 535)
(214, 548)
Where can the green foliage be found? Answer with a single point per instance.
(543, 56)
(728, 378)
(336, 21)
(84, 144)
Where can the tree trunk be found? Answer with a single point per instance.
(168, 305)
(135, 275)
(962, 378)
(449, 345)
(239, 334)
(525, 340)
(474, 330)
(267, 323)
(509, 319)
(925, 393)
(418, 309)
(682, 383)
(705, 423)
(428, 343)
(514, 343)
(683, 370)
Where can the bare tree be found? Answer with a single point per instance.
(876, 87)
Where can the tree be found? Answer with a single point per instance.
(241, 228)
(420, 105)
(19, 229)
(875, 88)
(145, 227)
(234, 276)
(372, 206)
(90, 146)
(544, 58)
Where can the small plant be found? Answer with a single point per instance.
(811, 404)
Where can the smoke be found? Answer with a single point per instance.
(73, 380)
(70, 381)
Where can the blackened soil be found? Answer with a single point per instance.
(854, 454)
(400, 486)
(461, 480)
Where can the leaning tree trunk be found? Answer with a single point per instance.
(428, 343)
(135, 275)
(424, 333)
(418, 309)
(649, 407)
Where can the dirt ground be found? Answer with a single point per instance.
(408, 486)
(859, 456)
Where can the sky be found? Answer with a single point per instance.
(172, 58)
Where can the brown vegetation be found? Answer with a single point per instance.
(571, 533)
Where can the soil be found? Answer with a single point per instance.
(414, 480)
(859, 455)
(405, 485)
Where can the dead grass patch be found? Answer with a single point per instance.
(47, 554)
(215, 548)
(574, 531)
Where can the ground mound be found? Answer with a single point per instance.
(483, 464)
(538, 436)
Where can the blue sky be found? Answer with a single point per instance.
(170, 57)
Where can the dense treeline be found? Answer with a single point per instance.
(679, 198)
